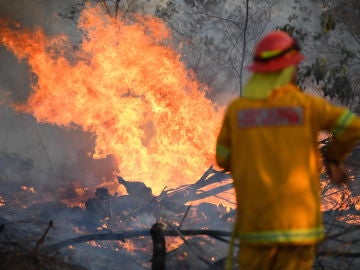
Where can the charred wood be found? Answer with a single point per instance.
(41, 240)
(133, 234)
(184, 217)
(159, 246)
(187, 193)
(189, 245)
(137, 189)
(18, 254)
(20, 260)
(213, 192)
(338, 254)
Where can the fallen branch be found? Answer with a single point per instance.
(187, 193)
(131, 234)
(201, 258)
(41, 240)
(338, 254)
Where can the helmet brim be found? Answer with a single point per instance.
(290, 59)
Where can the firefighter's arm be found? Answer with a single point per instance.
(336, 171)
(340, 147)
(344, 127)
(345, 135)
(223, 145)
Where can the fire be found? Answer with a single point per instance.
(173, 243)
(95, 244)
(29, 189)
(2, 201)
(128, 245)
(127, 86)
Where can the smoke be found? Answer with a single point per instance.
(32, 153)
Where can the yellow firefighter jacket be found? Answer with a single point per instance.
(270, 147)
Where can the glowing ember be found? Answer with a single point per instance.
(128, 245)
(2, 201)
(29, 189)
(81, 191)
(128, 88)
(95, 244)
(350, 219)
(103, 227)
(173, 243)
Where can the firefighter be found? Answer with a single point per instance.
(268, 141)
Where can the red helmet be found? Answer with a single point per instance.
(277, 50)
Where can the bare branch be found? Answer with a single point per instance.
(244, 47)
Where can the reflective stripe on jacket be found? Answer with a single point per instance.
(270, 147)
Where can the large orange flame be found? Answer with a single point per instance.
(127, 86)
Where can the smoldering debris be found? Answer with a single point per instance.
(115, 229)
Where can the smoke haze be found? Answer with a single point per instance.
(33, 153)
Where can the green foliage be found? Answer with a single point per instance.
(334, 68)
(204, 4)
(72, 12)
(339, 86)
(334, 80)
(166, 12)
(293, 31)
(327, 22)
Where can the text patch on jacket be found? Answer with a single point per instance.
(278, 116)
